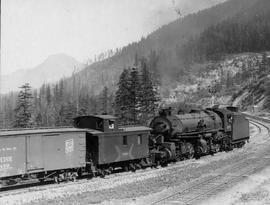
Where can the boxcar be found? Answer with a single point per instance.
(41, 150)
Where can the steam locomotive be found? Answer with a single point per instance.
(200, 132)
(97, 145)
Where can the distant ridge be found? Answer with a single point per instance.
(50, 70)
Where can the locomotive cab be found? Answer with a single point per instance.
(226, 117)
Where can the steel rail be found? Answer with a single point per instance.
(256, 125)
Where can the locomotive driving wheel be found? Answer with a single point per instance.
(189, 151)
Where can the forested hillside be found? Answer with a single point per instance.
(247, 31)
(161, 47)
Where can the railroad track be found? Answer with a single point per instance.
(213, 184)
(257, 118)
(256, 125)
(255, 122)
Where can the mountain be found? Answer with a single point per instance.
(52, 69)
(161, 47)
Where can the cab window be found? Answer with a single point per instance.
(229, 119)
(99, 124)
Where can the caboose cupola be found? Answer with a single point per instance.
(104, 123)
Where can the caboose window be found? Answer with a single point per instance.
(111, 124)
(139, 139)
(124, 140)
(99, 124)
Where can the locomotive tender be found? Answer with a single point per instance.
(97, 146)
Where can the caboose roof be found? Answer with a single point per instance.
(136, 128)
(105, 117)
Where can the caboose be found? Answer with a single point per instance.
(109, 146)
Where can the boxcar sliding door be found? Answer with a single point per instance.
(34, 161)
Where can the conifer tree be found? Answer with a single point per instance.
(153, 66)
(23, 110)
(149, 96)
(58, 106)
(37, 113)
(122, 95)
(2, 118)
(93, 105)
(48, 106)
(83, 105)
(104, 100)
(135, 95)
(68, 113)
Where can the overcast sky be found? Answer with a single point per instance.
(33, 29)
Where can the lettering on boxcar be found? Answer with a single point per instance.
(6, 158)
(69, 146)
(7, 149)
(5, 162)
(4, 166)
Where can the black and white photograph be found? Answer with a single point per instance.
(135, 102)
